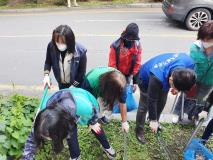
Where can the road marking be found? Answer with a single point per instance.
(101, 11)
(163, 35)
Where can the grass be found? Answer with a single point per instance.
(89, 3)
(175, 136)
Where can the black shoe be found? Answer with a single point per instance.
(140, 136)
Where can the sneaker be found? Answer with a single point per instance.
(77, 158)
(175, 119)
(111, 154)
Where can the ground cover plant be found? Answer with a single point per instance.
(17, 113)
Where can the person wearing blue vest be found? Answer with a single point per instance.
(156, 77)
(58, 119)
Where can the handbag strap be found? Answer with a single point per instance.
(203, 76)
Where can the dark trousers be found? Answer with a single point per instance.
(63, 86)
(73, 144)
(208, 131)
(143, 107)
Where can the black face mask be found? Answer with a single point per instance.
(128, 44)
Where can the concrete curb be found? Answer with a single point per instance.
(43, 10)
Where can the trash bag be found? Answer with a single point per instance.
(130, 101)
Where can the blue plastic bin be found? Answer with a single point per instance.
(197, 147)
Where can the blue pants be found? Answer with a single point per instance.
(73, 144)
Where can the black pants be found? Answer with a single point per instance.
(143, 106)
(63, 86)
(208, 131)
(73, 144)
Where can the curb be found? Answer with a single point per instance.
(36, 10)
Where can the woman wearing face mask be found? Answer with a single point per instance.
(66, 57)
(201, 52)
(125, 53)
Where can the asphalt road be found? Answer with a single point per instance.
(24, 38)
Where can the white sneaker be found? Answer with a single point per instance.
(111, 154)
(175, 118)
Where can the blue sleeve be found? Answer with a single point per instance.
(123, 96)
(30, 148)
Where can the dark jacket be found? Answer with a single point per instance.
(78, 63)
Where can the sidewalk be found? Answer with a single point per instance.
(35, 10)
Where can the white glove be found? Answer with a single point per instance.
(154, 126)
(125, 127)
(96, 128)
(46, 81)
(202, 115)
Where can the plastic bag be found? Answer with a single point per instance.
(130, 101)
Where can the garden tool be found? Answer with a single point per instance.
(194, 133)
(125, 157)
(163, 145)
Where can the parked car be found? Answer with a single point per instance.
(193, 13)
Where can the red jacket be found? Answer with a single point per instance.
(125, 57)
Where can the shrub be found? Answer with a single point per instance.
(3, 2)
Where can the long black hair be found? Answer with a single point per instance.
(55, 123)
(66, 32)
(112, 85)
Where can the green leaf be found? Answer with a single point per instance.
(2, 126)
(15, 135)
(6, 144)
(2, 138)
(3, 157)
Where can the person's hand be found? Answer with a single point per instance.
(202, 115)
(154, 126)
(46, 81)
(174, 91)
(125, 127)
(96, 128)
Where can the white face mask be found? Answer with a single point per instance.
(207, 44)
(61, 47)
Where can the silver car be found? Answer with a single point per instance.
(193, 13)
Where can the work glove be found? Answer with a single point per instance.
(96, 128)
(46, 81)
(154, 126)
(202, 115)
(125, 126)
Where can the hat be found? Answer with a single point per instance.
(131, 32)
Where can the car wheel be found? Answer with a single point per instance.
(196, 18)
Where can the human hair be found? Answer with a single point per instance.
(55, 123)
(205, 31)
(66, 32)
(183, 79)
(112, 85)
